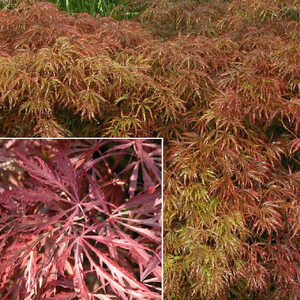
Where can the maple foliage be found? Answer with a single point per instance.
(219, 81)
(64, 236)
(231, 205)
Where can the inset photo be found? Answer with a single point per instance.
(81, 219)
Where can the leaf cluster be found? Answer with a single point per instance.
(80, 219)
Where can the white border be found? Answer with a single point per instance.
(83, 138)
(162, 216)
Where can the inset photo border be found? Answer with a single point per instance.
(81, 218)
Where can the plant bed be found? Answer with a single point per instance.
(219, 81)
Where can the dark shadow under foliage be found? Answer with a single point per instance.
(219, 80)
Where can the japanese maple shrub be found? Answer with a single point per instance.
(80, 219)
(219, 81)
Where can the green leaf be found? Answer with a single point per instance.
(124, 97)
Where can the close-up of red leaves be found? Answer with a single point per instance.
(80, 219)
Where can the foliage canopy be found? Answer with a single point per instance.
(219, 80)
